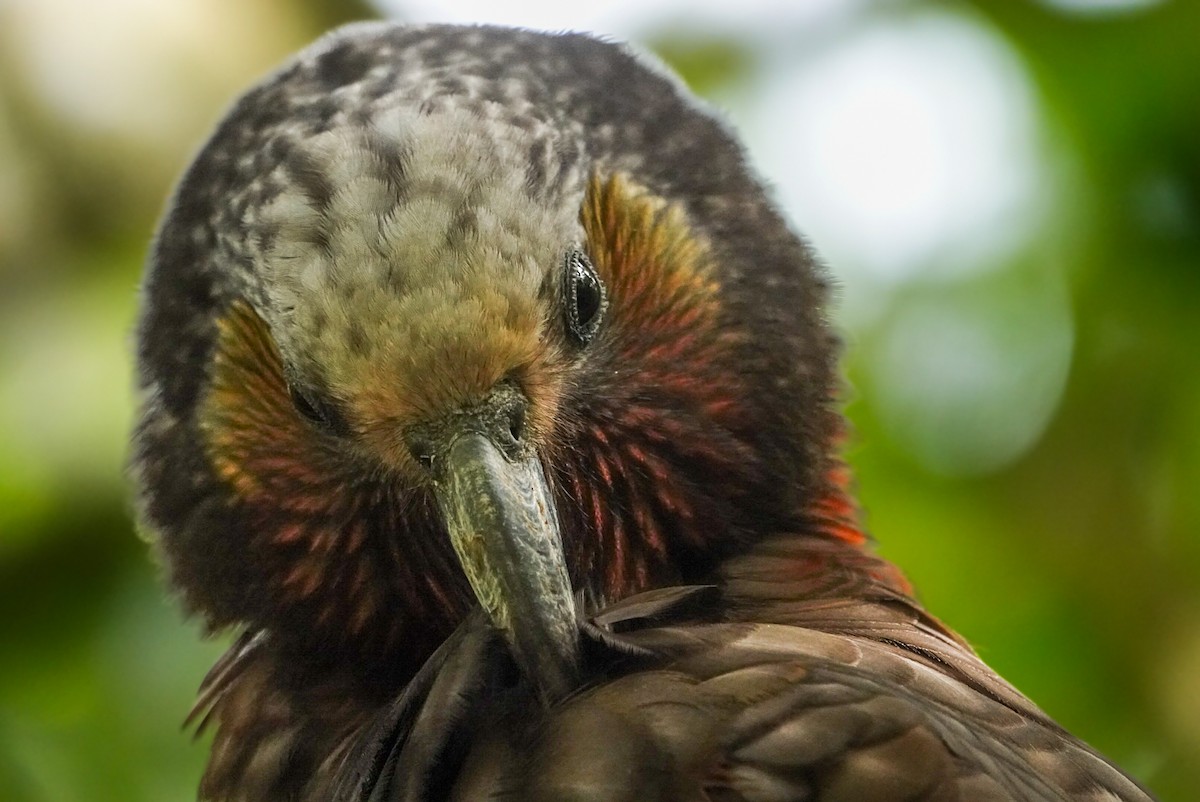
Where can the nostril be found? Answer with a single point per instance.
(516, 422)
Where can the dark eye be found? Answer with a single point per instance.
(585, 300)
(311, 408)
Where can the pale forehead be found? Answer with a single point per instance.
(398, 224)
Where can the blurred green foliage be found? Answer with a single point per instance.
(1074, 567)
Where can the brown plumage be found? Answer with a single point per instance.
(489, 396)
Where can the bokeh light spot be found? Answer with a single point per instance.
(967, 385)
(909, 146)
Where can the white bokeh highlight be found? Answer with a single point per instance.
(967, 383)
(909, 146)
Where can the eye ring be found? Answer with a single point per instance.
(585, 298)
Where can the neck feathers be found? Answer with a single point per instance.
(829, 556)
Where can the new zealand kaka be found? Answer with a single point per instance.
(488, 394)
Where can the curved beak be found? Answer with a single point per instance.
(502, 522)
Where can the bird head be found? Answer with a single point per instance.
(443, 316)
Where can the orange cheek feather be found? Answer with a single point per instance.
(330, 545)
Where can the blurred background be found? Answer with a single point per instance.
(1007, 190)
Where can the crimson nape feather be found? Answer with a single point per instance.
(488, 395)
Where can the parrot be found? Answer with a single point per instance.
(492, 405)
